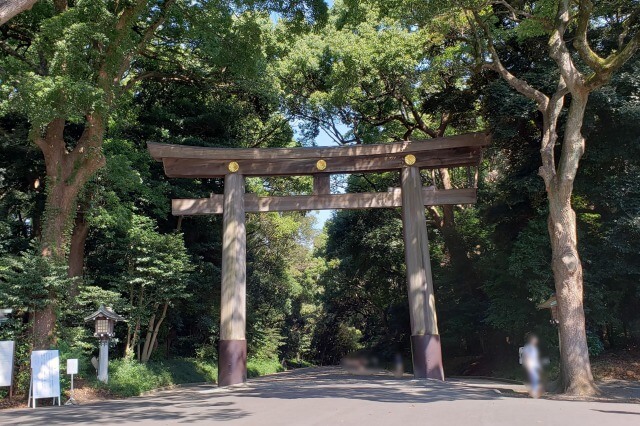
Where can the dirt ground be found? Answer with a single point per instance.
(83, 394)
(618, 365)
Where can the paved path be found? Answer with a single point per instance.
(329, 396)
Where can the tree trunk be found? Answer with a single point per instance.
(567, 271)
(576, 373)
(149, 349)
(67, 173)
(143, 357)
(44, 321)
(132, 337)
(11, 8)
(76, 252)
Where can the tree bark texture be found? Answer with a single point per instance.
(67, 174)
(11, 8)
(77, 251)
(567, 267)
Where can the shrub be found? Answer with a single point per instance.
(260, 367)
(596, 347)
(128, 377)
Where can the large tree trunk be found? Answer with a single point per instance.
(11, 8)
(67, 173)
(577, 378)
(44, 321)
(77, 247)
(77, 251)
(567, 271)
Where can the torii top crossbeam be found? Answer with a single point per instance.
(203, 162)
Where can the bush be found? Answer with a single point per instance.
(128, 377)
(596, 347)
(261, 367)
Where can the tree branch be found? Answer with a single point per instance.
(496, 65)
(11, 8)
(559, 52)
(157, 75)
(12, 52)
(580, 43)
(517, 14)
(549, 133)
(147, 34)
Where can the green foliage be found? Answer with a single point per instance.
(377, 76)
(128, 377)
(596, 347)
(257, 367)
(28, 281)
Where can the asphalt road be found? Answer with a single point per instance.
(329, 396)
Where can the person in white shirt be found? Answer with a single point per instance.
(531, 362)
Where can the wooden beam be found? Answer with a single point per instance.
(425, 341)
(161, 151)
(363, 200)
(234, 275)
(321, 184)
(232, 350)
(211, 168)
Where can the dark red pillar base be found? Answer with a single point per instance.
(427, 357)
(232, 362)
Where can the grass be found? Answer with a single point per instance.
(262, 367)
(128, 377)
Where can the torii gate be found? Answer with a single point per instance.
(234, 164)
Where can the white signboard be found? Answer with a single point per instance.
(72, 366)
(45, 374)
(6, 362)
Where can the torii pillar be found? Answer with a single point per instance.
(232, 353)
(425, 340)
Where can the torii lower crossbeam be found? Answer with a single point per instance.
(363, 200)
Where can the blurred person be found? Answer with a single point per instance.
(531, 362)
(398, 370)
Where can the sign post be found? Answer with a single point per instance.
(45, 376)
(7, 350)
(72, 368)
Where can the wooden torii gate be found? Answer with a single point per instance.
(234, 164)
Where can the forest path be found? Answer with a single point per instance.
(329, 396)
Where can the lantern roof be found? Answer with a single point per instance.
(104, 312)
(549, 303)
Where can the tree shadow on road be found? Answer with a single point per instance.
(334, 383)
(182, 405)
(204, 403)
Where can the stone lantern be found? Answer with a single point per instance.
(105, 320)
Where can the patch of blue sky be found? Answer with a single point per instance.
(275, 17)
